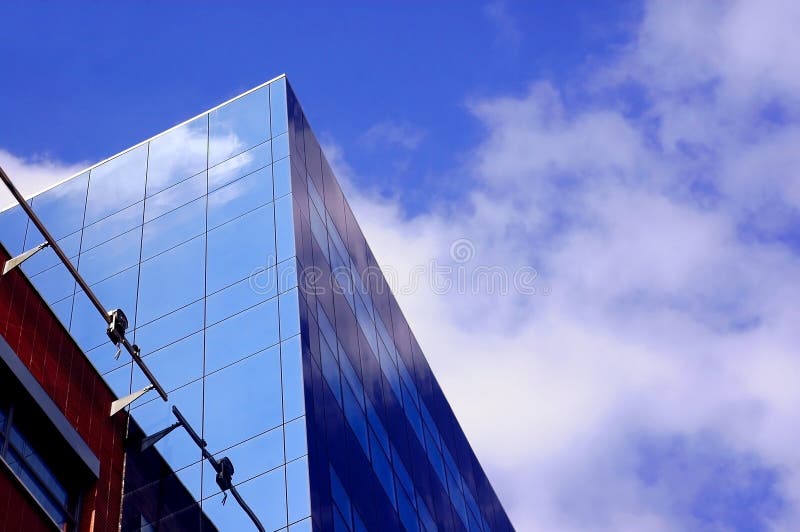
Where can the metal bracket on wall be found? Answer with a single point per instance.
(22, 257)
(223, 467)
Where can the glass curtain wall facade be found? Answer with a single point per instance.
(259, 306)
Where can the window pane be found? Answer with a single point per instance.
(177, 154)
(175, 196)
(171, 280)
(170, 328)
(61, 208)
(243, 400)
(240, 296)
(174, 365)
(280, 147)
(13, 223)
(240, 247)
(47, 258)
(114, 225)
(54, 283)
(281, 177)
(292, 368)
(295, 434)
(284, 225)
(242, 335)
(238, 125)
(240, 166)
(290, 314)
(175, 227)
(239, 197)
(297, 489)
(278, 106)
(114, 256)
(116, 184)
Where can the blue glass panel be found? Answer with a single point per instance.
(301, 526)
(287, 275)
(383, 469)
(243, 400)
(377, 426)
(425, 516)
(114, 256)
(114, 225)
(296, 442)
(326, 328)
(13, 223)
(174, 365)
(290, 313)
(330, 370)
(338, 522)
(175, 196)
(355, 416)
(436, 459)
(190, 477)
(316, 200)
(61, 208)
(239, 197)
(238, 125)
(266, 495)
(280, 147)
(408, 515)
(239, 166)
(173, 228)
(388, 368)
(116, 184)
(54, 283)
(174, 326)
(239, 296)
(351, 376)
(120, 380)
(242, 335)
(241, 247)
(340, 497)
(250, 459)
(297, 489)
(281, 177)
(413, 415)
(177, 449)
(47, 258)
(292, 368)
(408, 381)
(177, 154)
(63, 310)
(402, 473)
(161, 291)
(359, 523)
(278, 106)
(284, 224)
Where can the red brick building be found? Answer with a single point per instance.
(62, 455)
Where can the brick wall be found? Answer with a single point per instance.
(56, 361)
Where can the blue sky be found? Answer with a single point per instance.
(639, 157)
(91, 81)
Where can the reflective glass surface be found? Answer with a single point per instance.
(318, 393)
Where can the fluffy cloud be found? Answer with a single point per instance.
(32, 175)
(650, 382)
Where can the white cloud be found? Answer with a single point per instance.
(393, 134)
(665, 321)
(506, 25)
(33, 174)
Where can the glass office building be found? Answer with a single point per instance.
(259, 306)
